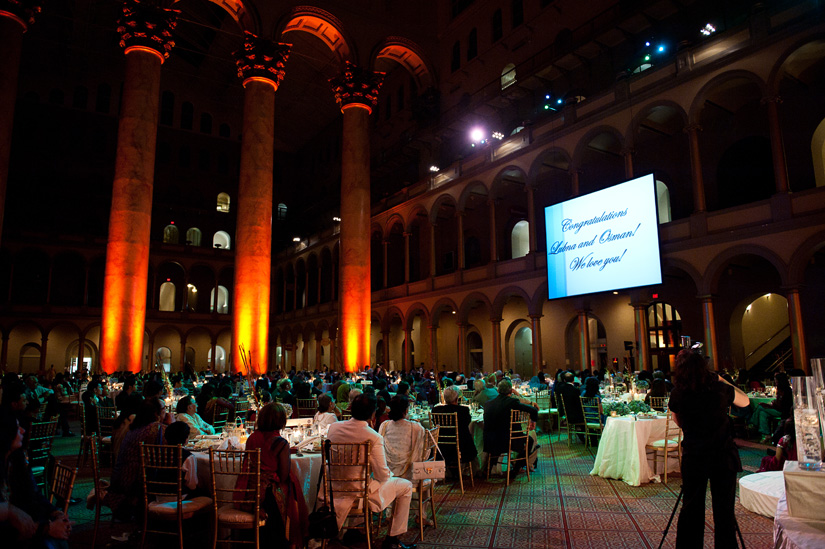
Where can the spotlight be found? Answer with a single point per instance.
(547, 96)
(559, 101)
(476, 135)
(296, 239)
(708, 29)
(336, 219)
(434, 169)
(498, 135)
(647, 58)
(647, 44)
(661, 49)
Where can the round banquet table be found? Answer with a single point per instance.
(307, 468)
(793, 533)
(621, 454)
(760, 492)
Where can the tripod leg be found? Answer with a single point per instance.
(738, 531)
(672, 514)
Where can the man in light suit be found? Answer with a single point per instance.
(383, 487)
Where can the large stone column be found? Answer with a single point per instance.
(800, 351)
(531, 218)
(696, 168)
(537, 354)
(493, 236)
(496, 327)
(261, 67)
(15, 17)
(462, 347)
(584, 340)
(709, 321)
(145, 32)
(434, 347)
(780, 170)
(356, 91)
(642, 336)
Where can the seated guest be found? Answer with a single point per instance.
(218, 403)
(176, 435)
(571, 399)
(123, 396)
(404, 390)
(27, 519)
(282, 500)
(187, 412)
(465, 438)
(591, 388)
(123, 422)
(403, 439)
(124, 493)
(780, 408)
(382, 412)
(657, 389)
(325, 416)
(384, 488)
(381, 389)
(353, 394)
(317, 387)
(488, 393)
(91, 400)
(497, 424)
(342, 395)
(785, 449)
(285, 393)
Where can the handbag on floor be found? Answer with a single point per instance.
(323, 524)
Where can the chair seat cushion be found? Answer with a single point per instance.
(106, 440)
(169, 510)
(235, 518)
(661, 443)
(594, 425)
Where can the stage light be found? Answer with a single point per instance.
(661, 49)
(647, 44)
(296, 239)
(547, 96)
(498, 135)
(708, 29)
(434, 169)
(477, 135)
(336, 219)
(559, 101)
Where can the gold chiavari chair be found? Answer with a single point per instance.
(98, 485)
(670, 444)
(242, 408)
(347, 476)
(424, 490)
(447, 437)
(41, 412)
(579, 428)
(226, 467)
(220, 416)
(60, 492)
(468, 394)
(306, 407)
(39, 450)
(345, 415)
(106, 416)
(659, 403)
(161, 470)
(85, 438)
(546, 410)
(593, 424)
(519, 424)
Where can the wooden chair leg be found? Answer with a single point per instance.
(421, 511)
(432, 504)
(460, 477)
(470, 467)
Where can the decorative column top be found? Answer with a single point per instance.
(146, 26)
(22, 11)
(357, 87)
(262, 60)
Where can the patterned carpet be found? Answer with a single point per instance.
(561, 506)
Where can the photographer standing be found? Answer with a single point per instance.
(700, 401)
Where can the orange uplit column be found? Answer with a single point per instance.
(709, 321)
(356, 91)
(800, 351)
(261, 68)
(496, 323)
(696, 168)
(145, 32)
(15, 17)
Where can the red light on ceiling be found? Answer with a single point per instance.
(655, 296)
(168, 280)
(171, 222)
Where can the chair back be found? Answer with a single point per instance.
(429, 453)
(228, 467)
(348, 469)
(306, 407)
(242, 408)
(659, 403)
(95, 452)
(40, 442)
(345, 415)
(448, 430)
(220, 416)
(519, 422)
(60, 492)
(468, 393)
(161, 471)
(106, 416)
(672, 430)
(41, 412)
(590, 410)
(543, 400)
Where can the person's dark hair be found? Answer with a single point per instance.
(403, 388)
(264, 396)
(147, 413)
(324, 403)
(90, 391)
(379, 384)
(398, 407)
(691, 371)
(271, 417)
(363, 407)
(591, 387)
(568, 377)
(129, 382)
(504, 387)
(151, 389)
(8, 431)
(183, 405)
(225, 391)
(12, 393)
(317, 382)
(177, 433)
(783, 384)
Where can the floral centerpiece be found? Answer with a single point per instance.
(625, 408)
(638, 407)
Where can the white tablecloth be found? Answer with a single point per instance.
(621, 453)
(306, 467)
(760, 492)
(791, 533)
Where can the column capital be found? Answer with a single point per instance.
(22, 11)
(690, 128)
(357, 87)
(147, 26)
(771, 99)
(496, 320)
(262, 60)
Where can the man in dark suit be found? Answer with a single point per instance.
(465, 438)
(497, 423)
(571, 397)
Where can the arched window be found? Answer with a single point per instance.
(281, 211)
(166, 301)
(818, 151)
(164, 356)
(664, 325)
(520, 239)
(508, 75)
(221, 240)
(222, 304)
(497, 27)
(193, 236)
(472, 45)
(219, 365)
(170, 235)
(223, 202)
(187, 115)
(663, 202)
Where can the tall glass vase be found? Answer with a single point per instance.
(818, 369)
(806, 418)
